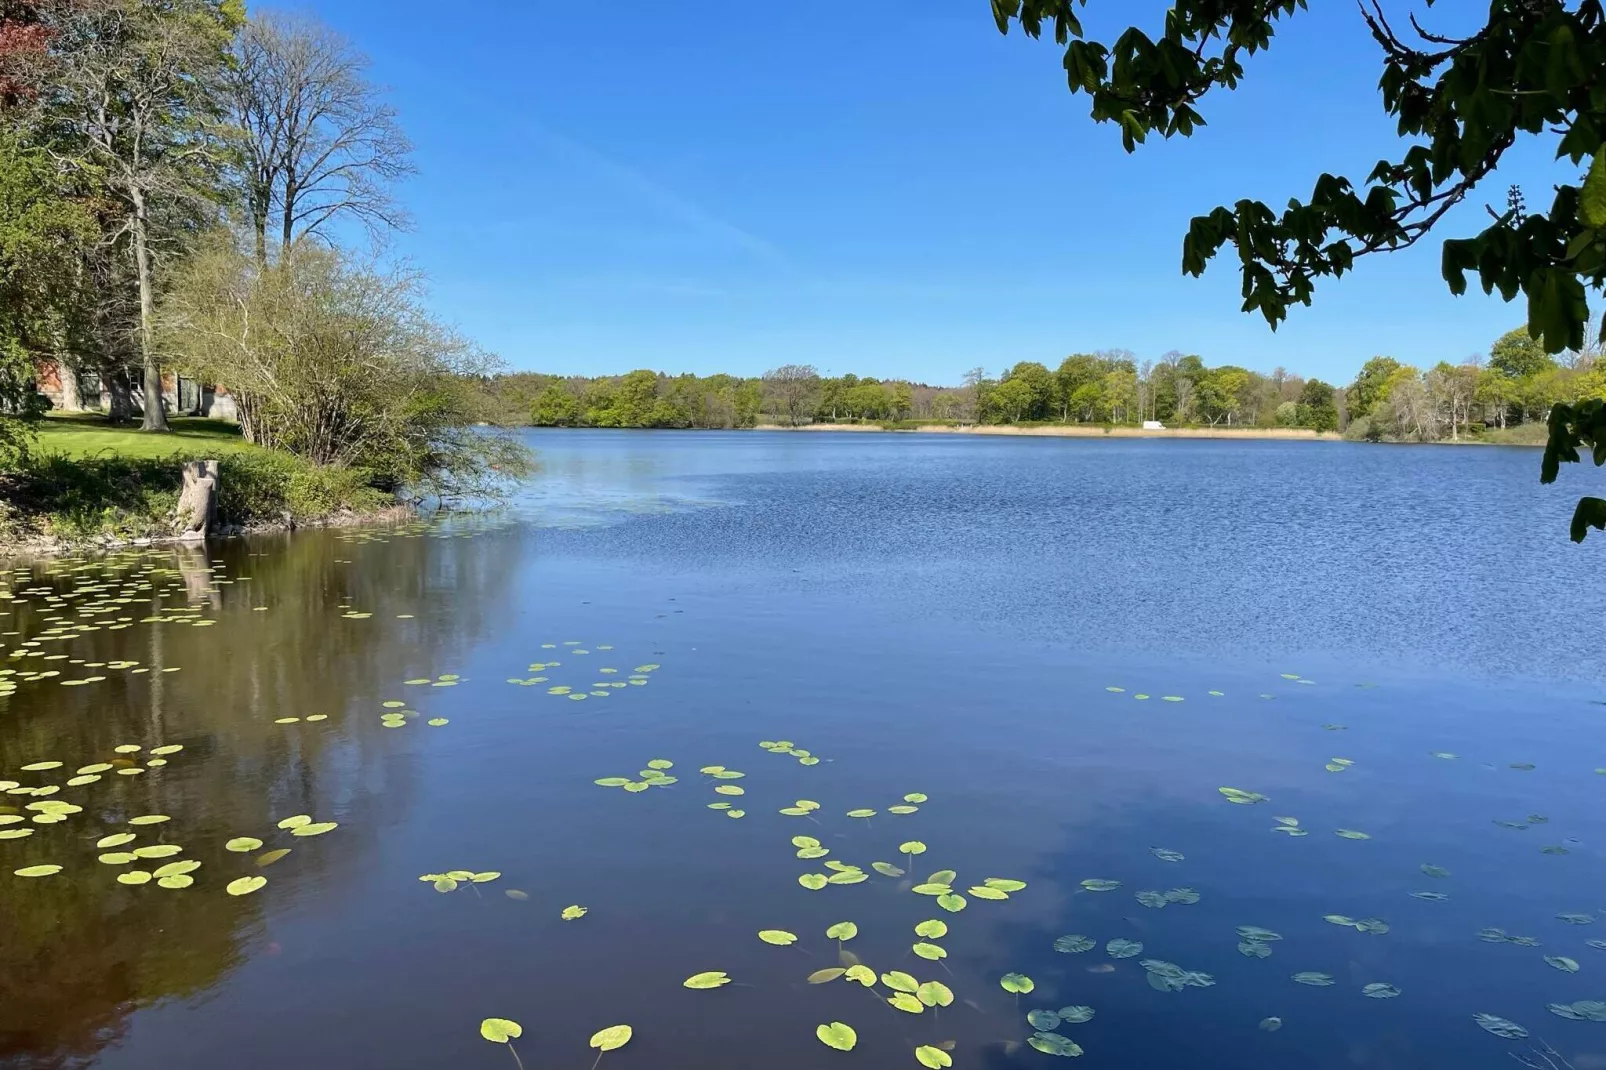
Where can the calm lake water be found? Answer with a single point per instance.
(995, 624)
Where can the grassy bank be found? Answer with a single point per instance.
(90, 483)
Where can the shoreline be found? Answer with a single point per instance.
(55, 546)
(1078, 431)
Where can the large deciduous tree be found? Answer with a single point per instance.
(318, 145)
(135, 98)
(1460, 102)
(793, 388)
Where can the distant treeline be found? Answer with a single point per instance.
(1389, 400)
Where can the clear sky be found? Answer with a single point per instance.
(893, 190)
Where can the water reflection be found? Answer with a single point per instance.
(207, 653)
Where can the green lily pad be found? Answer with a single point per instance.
(862, 974)
(932, 929)
(38, 871)
(1254, 949)
(1238, 795)
(1270, 1025)
(837, 1035)
(134, 876)
(1097, 885)
(1379, 990)
(1044, 1020)
(981, 891)
(243, 844)
(899, 981)
(1314, 978)
(1054, 1044)
(886, 869)
(912, 847)
(903, 1001)
(953, 904)
(149, 819)
(1165, 854)
(500, 1030)
(1585, 1010)
(842, 930)
(573, 912)
(861, 813)
(611, 1038)
(1434, 871)
(930, 952)
(935, 994)
(933, 1058)
(158, 850)
(813, 881)
(1351, 834)
(1576, 919)
(245, 885)
(711, 979)
(1562, 963)
(317, 828)
(778, 937)
(820, 977)
(1123, 949)
(1018, 983)
(1075, 1015)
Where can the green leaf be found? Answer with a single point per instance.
(1562, 963)
(1314, 978)
(500, 1030)
(932, 929)
(1500, 1027)
(1434, 871)
(1166, 855)
(115, 840)
(1380, 990)
(711, 979)
(1075, 1015)
(981, 891)
(611, 781)
(242, 844)
(778, 937)
(1054, 1044)
(1238, 795)
(862, 974)
(912, 847)
(288, 823)
(1074, 944)
(245, 885)
(612, 1038)
(1044, 1020)
(935, 994)
(813, 881)
(842, 930)
(953, 904)
(1018, 983)
(837, 1035)
(1270, 1025)
(886, 869)
(1004, 884)
(905, 1002)
(930, 952)
(1592, 198)
(38, 871)
(899, 981)
(1123, 949)
(574, 912)
(1095, 884)
(933, 1058)
(820, 977)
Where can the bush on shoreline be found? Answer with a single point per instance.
(119, 498)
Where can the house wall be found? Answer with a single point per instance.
(213, 401)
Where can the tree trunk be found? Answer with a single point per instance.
(67, 374)
(197, 504)
(154, 418)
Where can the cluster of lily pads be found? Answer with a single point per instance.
(787, 747)
(506, 1031)
(397, 715)
(654, 776)
(638, 677)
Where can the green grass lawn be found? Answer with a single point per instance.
(87, 435)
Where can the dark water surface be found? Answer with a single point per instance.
(929, 615)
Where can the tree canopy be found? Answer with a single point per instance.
(1460, 104)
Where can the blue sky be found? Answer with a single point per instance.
(895, 191)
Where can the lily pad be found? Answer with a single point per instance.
(842, 930)
(1379, 990)
(243, 844)
(1270, 1025)
(820, 977)
(933, 1058)
(862, 974)
(612, 1038)
(912, 847)
(1314, 978)
(317, 828)
(953, 904)
(903, 1001)
(1165, 854)
(711, 979)
(935, 994)
(1434, 871)
(1054, 1044)
(1351, 834)
(500, 1030)
(1074, 944)
(1500, 1027)
(1238, 795)
(1562, 963)
(899, 981)
(1123, 949)
(1018, 983)
(813, 881)
(38, 871)
(778, 937)
(1095, 884)
(1075, 1015)
(116, 839)
(245, 885)
(837, 1035)
(1254, 949)
(1585, 1010)
(886, 869)
(930, 952)
(1044, 1020)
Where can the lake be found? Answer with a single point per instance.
(1037, 661)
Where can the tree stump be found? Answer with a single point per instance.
(197, 504)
